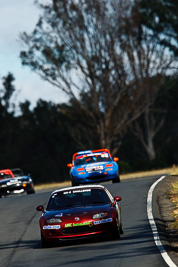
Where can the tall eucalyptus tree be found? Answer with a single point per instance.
(97, 49)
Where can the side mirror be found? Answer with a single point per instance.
(115, 159)
(70, 165)
(116, 199)
(40, 208)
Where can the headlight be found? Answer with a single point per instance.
(54, 220)
(100, 215)
(3, 185)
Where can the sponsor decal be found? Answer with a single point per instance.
(104, 155)
(76, 191)
(78, 224)
(94, 168)
(103, 221)
(59, 215)
(81, 191)
(67, 192)
(68, 225)
(90, 154)
(82, 152)
(91, 224)
(49, 227)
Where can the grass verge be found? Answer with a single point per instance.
(174, 199)
(171, 171)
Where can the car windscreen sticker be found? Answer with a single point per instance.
(82, 190)
(86, 151)
(89, 155)
(104, 155)
(76, 191)
(67, 192)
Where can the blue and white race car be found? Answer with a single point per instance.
(93, 166)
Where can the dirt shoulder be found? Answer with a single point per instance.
(165, 208)
(127, 176)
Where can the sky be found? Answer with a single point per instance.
(17, 16)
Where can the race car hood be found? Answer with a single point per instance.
(99, 166)
(14, 180)
(85, 210)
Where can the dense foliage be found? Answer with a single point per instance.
(101, 55)
(117, 63)
(41, 140)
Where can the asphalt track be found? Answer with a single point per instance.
(20, 236)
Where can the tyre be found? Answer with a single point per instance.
(116, 180)
(46, 244)
(31, 192)
(74, 183)
(121, 229)
(115, 233)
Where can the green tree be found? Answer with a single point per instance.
(43, 134)
(7, 120)
(161, 17)
(98, 53)
(6, 93)
(148, 125)
(167, 141)
(161, 20)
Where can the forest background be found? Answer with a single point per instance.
(117, 63)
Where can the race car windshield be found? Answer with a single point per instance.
(81, 197)
(92, 158)
(5, 176)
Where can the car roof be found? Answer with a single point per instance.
(7, 172)
(78, 188)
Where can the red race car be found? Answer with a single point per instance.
(82, 211)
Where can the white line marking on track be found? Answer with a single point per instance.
(153, 224)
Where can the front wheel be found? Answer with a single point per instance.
(121, 229)
(46, 244)
(31, 192)
(74, 183)
(115, 233)
(116, 180)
